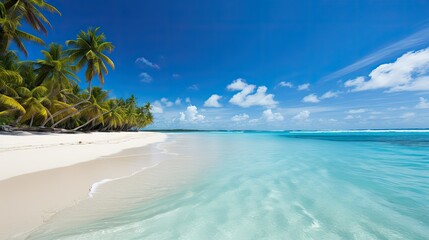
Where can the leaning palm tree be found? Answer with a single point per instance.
(35, 102)
(94, 110)
(114, 119)
(89, 50)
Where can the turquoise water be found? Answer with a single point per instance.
(281, 185)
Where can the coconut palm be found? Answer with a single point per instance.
(55, 71)
(89, 50)
(93, 110)
(30, 11)
(10, 79)
(11, 14)
(35, 102)
(115, 118)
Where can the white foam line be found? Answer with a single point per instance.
(314, 221)
(94, 186)
(364, 131)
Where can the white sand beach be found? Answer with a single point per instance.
(41, 174)
(27, 153)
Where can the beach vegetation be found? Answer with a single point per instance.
(45, 94)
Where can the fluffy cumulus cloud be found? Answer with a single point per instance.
(178, 101)
(330, 94)
(312, 98)
(410, 72)
(188, 100)
(423, 103)
(247, 97)
(167, 102)
(302, 116)
(146, 62)
(191, 115)
(145, 77)
(157, 107)
(285, 84)
(213, 101)
(240, 117)
(304, 86)
(271, 117)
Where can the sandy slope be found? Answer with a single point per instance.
(27, 153)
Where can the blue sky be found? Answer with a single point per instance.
(264, 64)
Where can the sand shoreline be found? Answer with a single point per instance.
(29, 152)
(41, 174)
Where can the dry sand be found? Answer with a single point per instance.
(43, 173)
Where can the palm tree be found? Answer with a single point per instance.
(96, 108)
(10, 79)
(30, 11)
(115, 118)
(35, 102)
(55, 71)
(88, 50)
(11, 14)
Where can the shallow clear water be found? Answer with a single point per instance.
(281, 185)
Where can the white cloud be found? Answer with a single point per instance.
(285, 84)
(213, 101)
(312, 98)
(410, 72)
(145, 77)
(419, 38)
(175, 75)
(304, 86)
(147, 62)
(157, 107)
(166, 102)
(408, 115)
(397, 108)
(330, 94)
(423, 103)
(303, 115)
(245, 98)
(240, 117)
(349, 117)
(191, 115)
(271, 117)
(356, 111)
(178, 101)
(194, 87)
(188, 100)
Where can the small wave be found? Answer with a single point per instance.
(368, 131)
(314, 221)
(94, 186)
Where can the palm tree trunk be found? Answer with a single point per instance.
(69, 116)
(99, 115)
(31, 122)
(68, 108)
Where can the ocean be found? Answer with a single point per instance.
(263, 185)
